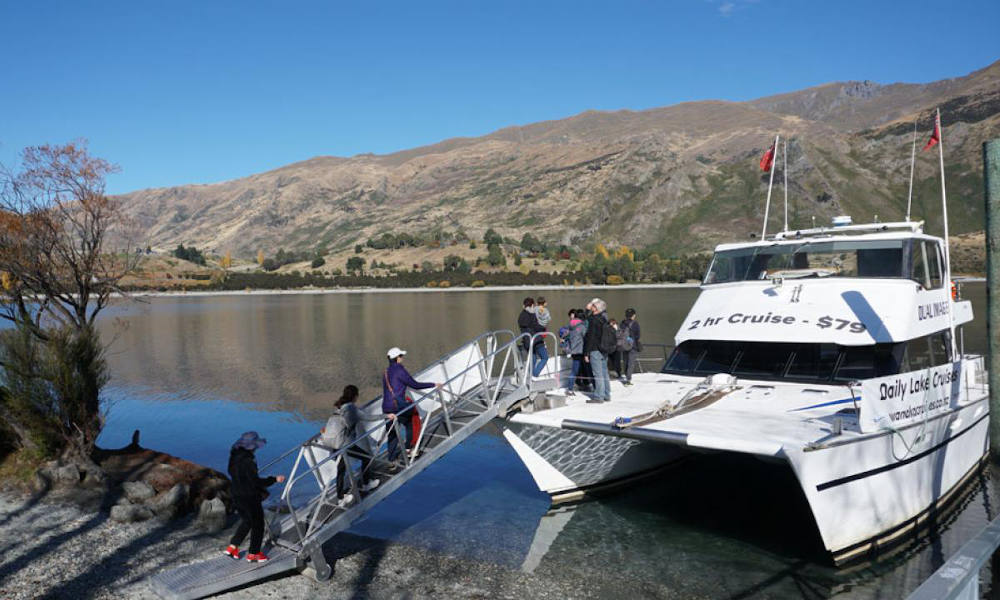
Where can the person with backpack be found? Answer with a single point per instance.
(395, 380)
(615, 358)
(343, 427)
(248, 490)
(599, 342)
(629, 344)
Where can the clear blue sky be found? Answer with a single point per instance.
(195, 92)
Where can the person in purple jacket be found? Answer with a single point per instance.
(395, 380)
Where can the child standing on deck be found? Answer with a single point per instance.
(248, 490)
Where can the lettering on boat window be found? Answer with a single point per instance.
(798, 260)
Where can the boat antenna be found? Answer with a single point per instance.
(784, 172)
(913, 158)
(944, 216)
(767, 205)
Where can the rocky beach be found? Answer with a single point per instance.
(57, 550)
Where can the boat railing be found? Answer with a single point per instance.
(959, 576)
(554, 367)
(653, 353)
(493, 361)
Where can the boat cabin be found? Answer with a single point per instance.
(829, 305)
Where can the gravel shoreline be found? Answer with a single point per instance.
(53, 550)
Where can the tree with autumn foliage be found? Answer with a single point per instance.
(64, 249)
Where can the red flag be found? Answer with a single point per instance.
(767, 161)
(936, 136)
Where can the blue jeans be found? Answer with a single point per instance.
(574, 371)
(541, 357)
(602, 381)
(406, 421)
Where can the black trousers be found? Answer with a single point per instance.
(342, 482)
(615, 362)
(251, 521)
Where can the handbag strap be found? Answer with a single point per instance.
(395, 401)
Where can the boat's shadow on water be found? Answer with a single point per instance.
(735, 527)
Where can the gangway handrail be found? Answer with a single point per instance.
(424, 395)
(958, 577)
(541, 335)
(508, 348)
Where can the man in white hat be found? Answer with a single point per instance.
(395, 380)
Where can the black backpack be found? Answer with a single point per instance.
(609, 341)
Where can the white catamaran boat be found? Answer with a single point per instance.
(832, 351)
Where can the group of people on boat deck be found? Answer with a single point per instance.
(345, 428)
(594, 342)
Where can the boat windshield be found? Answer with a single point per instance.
(814, 363)
(828, 258)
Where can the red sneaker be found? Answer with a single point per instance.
(232, 552)
(259, 557)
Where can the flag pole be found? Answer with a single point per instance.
(913, 158)
(947, 242)
(767, 205)
(784, 172)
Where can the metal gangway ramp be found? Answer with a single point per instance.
(483, 379)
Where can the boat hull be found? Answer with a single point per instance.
(865, 494)
(568, 465)
(871, 492)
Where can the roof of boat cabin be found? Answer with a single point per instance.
(871, 231)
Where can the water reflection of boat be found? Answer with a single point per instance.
(835, 352)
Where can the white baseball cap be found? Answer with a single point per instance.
(395, 352)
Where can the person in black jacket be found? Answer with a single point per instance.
(592, 352)
(248, 490)
(527, 322)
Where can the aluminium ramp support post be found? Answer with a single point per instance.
(991, 184)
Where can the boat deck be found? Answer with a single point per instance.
(759, 418)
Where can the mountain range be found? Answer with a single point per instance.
(676, 179)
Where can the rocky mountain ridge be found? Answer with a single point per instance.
(679, 178)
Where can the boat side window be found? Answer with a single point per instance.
(866, 362)
(919, 268)
(927, 351)
(941, 347)
(934, 264)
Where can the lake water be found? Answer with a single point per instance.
(192, 373)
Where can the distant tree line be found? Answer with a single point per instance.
(190, 254)
(282, 258)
